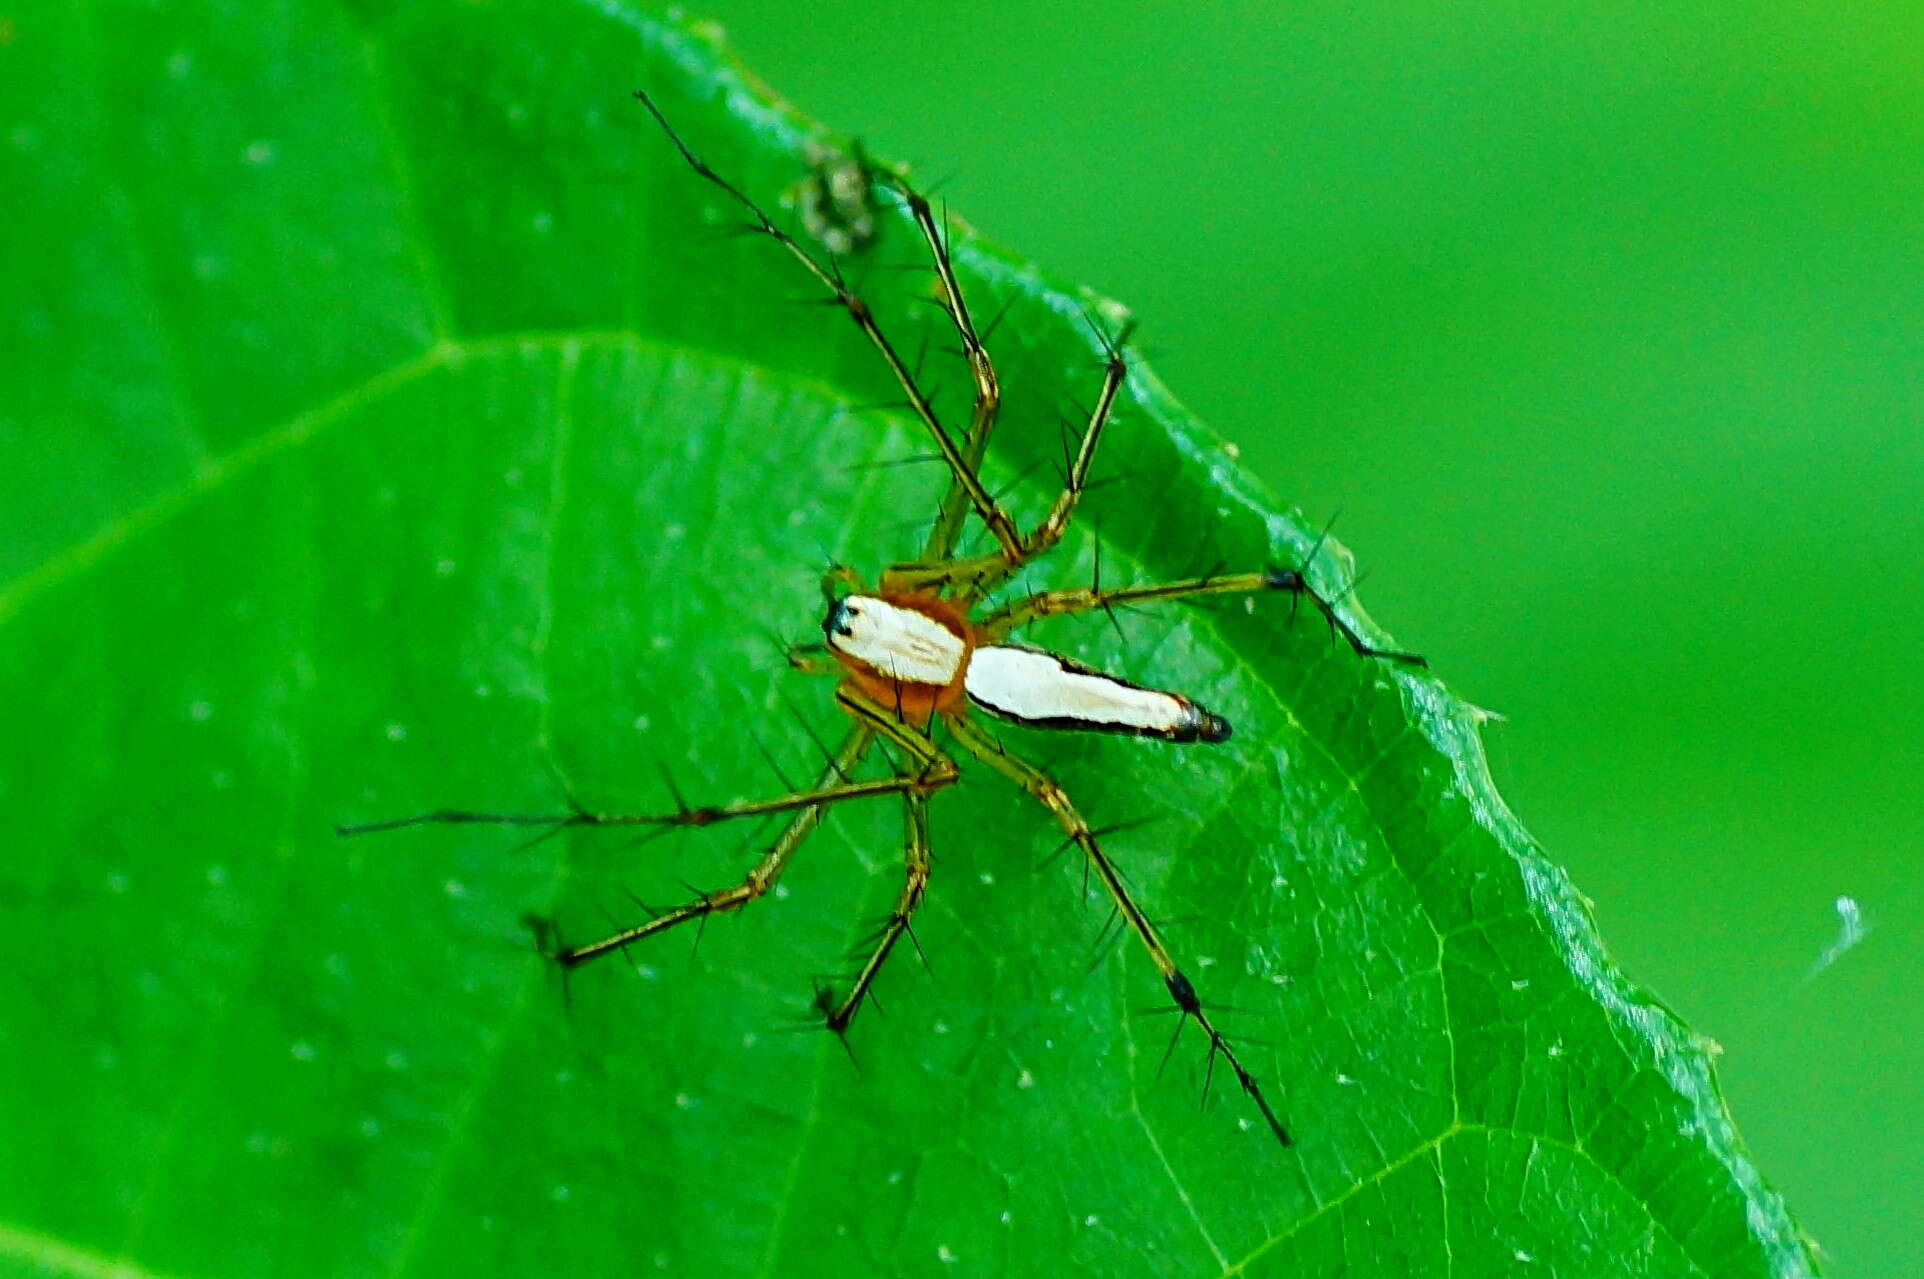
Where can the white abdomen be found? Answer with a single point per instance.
(1034, 687)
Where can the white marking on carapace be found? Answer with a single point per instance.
(1029, 684)
(899, 642)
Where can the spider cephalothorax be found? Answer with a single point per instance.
(912, 653)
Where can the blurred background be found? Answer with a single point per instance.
(1603, 328)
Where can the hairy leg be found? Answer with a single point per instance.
(988, 392)
(932, 771)
(1012, 617)
(963, 474)
(1050, 796)
(916, 878)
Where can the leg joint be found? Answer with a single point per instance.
(1182, 992)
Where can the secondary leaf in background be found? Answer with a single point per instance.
(393, 426)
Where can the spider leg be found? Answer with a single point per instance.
(988, 393)
(704, 815)
(916, 858)
(934, 770)
(811, 659)
(830, 278)
(1046, 534)
(1019, 613)
(1051, 796)
(972, 577)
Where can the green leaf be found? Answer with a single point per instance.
(386, 426)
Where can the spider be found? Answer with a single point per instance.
(921, 647)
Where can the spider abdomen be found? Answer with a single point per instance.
(1043, 689)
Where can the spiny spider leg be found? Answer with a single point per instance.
(1051, 796)
(916, 858)
(1049, 532)
(975, 576)
(964, 475)
(934, 771)
(988, 393)
(1014, 616)
(811, 659)
(706, 815)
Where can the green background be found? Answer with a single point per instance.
(1603, 327)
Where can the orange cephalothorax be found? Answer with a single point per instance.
(906, 652)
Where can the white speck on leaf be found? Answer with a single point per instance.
(397, 733)
(1521, 983)
(444, 567)
(988, 879)
(259, 152)
(200, 712)
(943, 1254)
(1025, 1079)
(542, 223)
(301, 1050)
(217, 875)
(559, 1194)
(395, 1060)
(116, 881)
(180, 64)
(370, 1127)
(684, 1102)
(455, 888)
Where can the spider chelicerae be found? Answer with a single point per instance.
(917, 648)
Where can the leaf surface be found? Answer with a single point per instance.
(391, 427)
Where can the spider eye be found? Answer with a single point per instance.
(845, 631)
